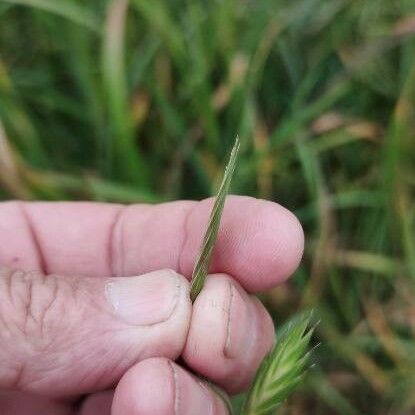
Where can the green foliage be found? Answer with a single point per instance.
(140, 101)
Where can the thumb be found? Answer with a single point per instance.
(63, 336)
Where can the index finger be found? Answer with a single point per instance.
(260, 243)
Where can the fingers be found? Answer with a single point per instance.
(73, 335)
(260, 243)
(230, 333)
(160, 387)
(18, 403)
(97, 404)
(68, 336)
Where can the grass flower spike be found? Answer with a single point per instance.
(201, 268)
(282, 369)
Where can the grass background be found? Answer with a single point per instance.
(141, 100)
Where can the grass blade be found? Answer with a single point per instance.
(64, 8)
(126, 162)
(282, 369)
(202, 264)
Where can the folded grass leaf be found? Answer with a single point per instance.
(282, 369)
(202, 264)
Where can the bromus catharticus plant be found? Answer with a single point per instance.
(282, 369)
(201, 268)
(284, 366)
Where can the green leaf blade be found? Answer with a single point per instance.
(64, 8)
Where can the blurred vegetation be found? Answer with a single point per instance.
(141, 100)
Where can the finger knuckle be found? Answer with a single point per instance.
(28, 306)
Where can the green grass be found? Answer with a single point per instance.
(97, 96)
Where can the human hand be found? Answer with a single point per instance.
(74, 323)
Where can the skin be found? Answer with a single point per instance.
(95, 309)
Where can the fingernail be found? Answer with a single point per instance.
(146, 299)
(240, 335)
(190, 395)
